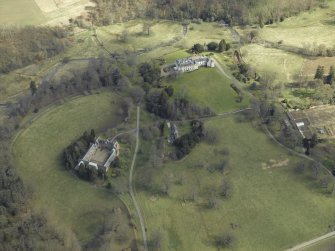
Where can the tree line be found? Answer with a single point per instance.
(222, 46)
(100, 73)
(21, 46)
(188, 141)
(239, 12)
(326, 79)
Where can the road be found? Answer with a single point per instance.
(311, 242)
(131, 186)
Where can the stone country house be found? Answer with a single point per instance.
(193, 63)
(101, 154)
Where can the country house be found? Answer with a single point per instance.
(193, 63)
(101, 154)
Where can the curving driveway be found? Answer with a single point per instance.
(131, 186)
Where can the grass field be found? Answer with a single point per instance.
(21, 12)
(282, 65)
(204, 33)
(273, 207)
(307, 28)
(207, 87)
(37, 12)
(72, 203)
(325, 245)
(161, 31)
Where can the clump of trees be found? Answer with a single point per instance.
(187, 142)
(198, 48)
(222, 46)
(159, 103)
(31, 44)
(76, 150)
(310, 143)
(225, 240)
(150, 73)
(245, 73)
(326, 79)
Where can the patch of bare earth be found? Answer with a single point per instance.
(271, 164)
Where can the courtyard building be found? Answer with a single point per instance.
(101, 154)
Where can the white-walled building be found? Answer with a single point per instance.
(193, 63)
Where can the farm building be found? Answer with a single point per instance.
(193, 63)
(101, 154)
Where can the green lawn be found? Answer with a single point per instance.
(273, 207)
(208, 87)
(173, 56)
(38, 158)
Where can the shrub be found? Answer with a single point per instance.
(198, 48)
(212, 46)
(224, 240)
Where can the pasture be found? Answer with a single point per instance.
(72, 203)
(306, 29)
(271, 207)
(208, 87)
(38, 12)
(131, 36)
(204, 33)
(280, 65)
(20, 12)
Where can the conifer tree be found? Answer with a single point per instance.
(222, 45)
(319, 72)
